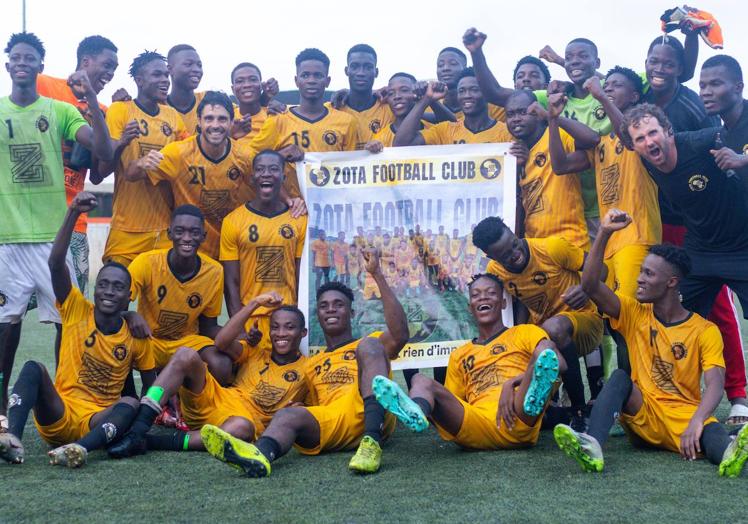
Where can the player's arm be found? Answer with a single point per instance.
(440, 112)
(227, 338)
(208, 326)
(129, 132)
(231, 288)
(614, 114)
(397, 333)
(95, 138)
(690, 55)
(409, 133)
(61, 284)
(606, 300)
(562, 162)
(714, 381)
(138, 169)
(584, 137)
(489, 86)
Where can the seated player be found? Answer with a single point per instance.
(670, 348)
(180, 291)
(543, 275)
(341, 411)
(497, 385)
(265, 382)
(82, 409)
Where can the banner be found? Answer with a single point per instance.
(417, 206)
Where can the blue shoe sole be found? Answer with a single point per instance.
(396, 401)
(544, 374)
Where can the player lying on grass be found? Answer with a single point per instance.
(82, 409)
(497, 385)
(670, 348)
(342, 412)
(265, 382)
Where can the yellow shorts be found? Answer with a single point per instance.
(214, 405)
(660, 425)
(370, 291)
(624, 267)
(341, 425)
(479, 431)
(73, 424)
(123, 246)
(164, 349)
(588, 330)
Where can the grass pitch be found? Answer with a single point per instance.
(422, 479)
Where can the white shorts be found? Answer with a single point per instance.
(24, 270)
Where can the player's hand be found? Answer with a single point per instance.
(276, 107)
(297, 207)
(84, 202)
(270, 87)
(371, 260)
(135, 322)
(558, 86)
(271, 299)
(551, 56)
(593, 85)
(520, 150)
(690, 445)
(130, 132)
(81, 85)
(121, 95)
(292, 153)
(726, 158)
(435, 91)
(374, 146)
(473, 40)
(537, 110)
(556, 105)
(339, 98)
(241, 127)
(615, 220)
(381, 93)
(506, 413)
(575, 297)
(254, 335)
(150, 161)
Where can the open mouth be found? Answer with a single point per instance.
(281, 343)
(468, 105)
(657, 81)
(482, 308)
(108, 303)
(655, 153)
(332, 321)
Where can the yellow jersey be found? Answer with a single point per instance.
(623, 183)
(93, 366)
(369, 121)
(339, 252)
(258, 121)
(138, 207)
(267, 248)
(667, 360)
(553, 267)
(455, 246)
(445, 133)
(189, 117)
(477, 371)
(321, 250)
(172, 307)
(386, 135)
(216, 186)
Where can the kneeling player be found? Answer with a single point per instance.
(497, 386)
(670, 348)
(342, 412)
(265, 383)
(82, 409)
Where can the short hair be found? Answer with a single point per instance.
(489, 276)
(26, 38)
(468, 72)
(242, 65)
(188, 209)
(585, 41)
(291, 309)
(178, 49)
(631, 75)
(216, 98)
(116, 265)
(729, 63)
(455, 51)
(523, 93)
(269, 152)
(94, 45)
(488, 231)
(404, 75)
(361, 48)
(142, 60)
(534, 61)
(335, 286)
(675, 256)
(671, 42)
(634, 115)
(313, 53)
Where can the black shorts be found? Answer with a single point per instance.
(711, 271)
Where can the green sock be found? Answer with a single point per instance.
(155, 393)
(609, 355)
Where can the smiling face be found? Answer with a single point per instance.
(530, 77)
(186, 233)
(401, 96)
(509, 251)
(100, 68)
(186, 69)
(334, 313)
(112, 291)
(449, 65)
(312, 79)
(267, 177)
(361, 71)
(470, 96)
(286, 332)
(718, 90)
(153, 81)
(652, 142)
(519, 121)
(620, 91)
(581, 62)
(655, 279)
(24, 65)
(486, 301)
(215, 123)
(662, 68)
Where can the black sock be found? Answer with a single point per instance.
(714, 440)
(269, 447)
(423, 404)
(440, 375)
(373, 418)
(23, 398)
(595, 380)
(408, 374)
(144, 419)
(609, 404)
(113, 426)
(572, 378)
(173, 440)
